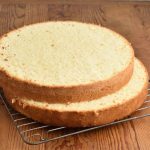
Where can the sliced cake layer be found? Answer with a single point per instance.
(65, 61)
(99, 111)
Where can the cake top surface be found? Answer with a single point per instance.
(63, 53)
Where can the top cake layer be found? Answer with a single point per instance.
(65, 55)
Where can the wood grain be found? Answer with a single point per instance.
(131, 19)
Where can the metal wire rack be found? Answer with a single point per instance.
(34, 133)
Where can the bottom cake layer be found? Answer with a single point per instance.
(90, 113)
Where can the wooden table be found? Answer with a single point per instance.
(131, 19)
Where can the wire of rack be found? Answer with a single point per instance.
(34, 133)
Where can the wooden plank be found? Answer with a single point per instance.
(72, 2)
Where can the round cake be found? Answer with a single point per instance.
(64, 61)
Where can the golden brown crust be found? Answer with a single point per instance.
(63, 94)
(73, 94)
(80, 118)
(68, 94)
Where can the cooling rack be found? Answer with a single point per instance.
(34, 133)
